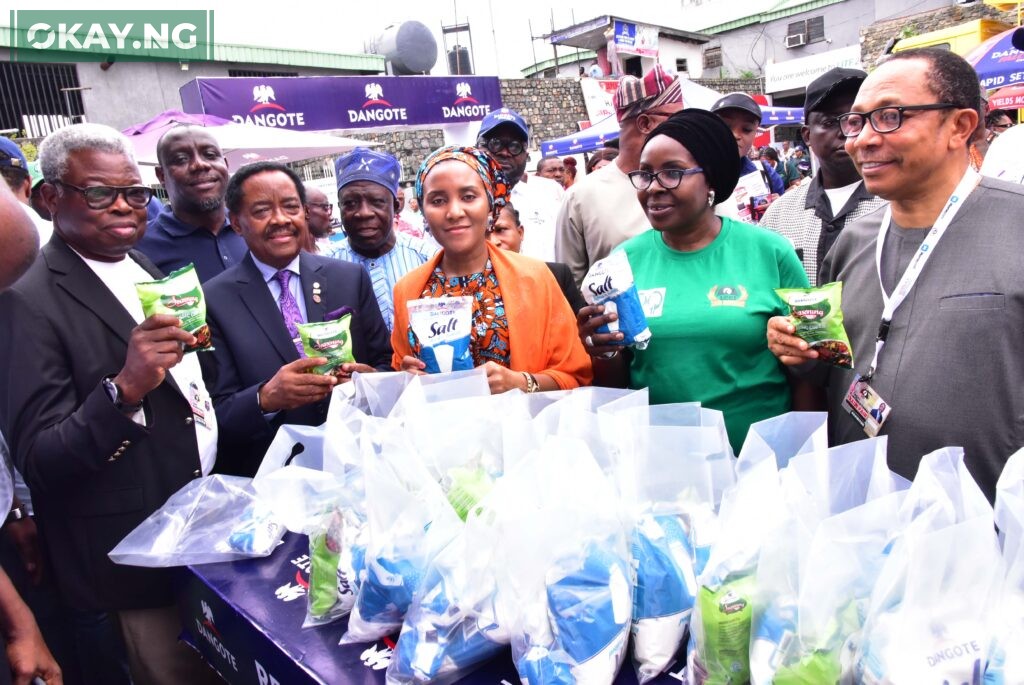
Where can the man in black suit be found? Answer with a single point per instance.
(261, 376)
(507, 233)
(98, 409)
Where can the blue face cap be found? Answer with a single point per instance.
(11, 155)
(364, 164)
(504, 116)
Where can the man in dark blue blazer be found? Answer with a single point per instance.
(261, 378)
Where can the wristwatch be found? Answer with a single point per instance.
(531, 382)
(17, 513)
(114, 393)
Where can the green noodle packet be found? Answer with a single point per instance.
(817, 315)
(180, 295)
(330, 339)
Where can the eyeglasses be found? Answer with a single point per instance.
(669, 179)
(101, 197)
(496, 145)
(1002, 127)
(324, 206)
(883, 119)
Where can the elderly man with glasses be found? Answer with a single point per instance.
(105, 416)
(318, 219)
(505, 135)
(933, 298)
(601, 211)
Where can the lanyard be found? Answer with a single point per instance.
(907, 282)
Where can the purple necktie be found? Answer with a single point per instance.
(290, 309)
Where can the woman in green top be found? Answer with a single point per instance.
(707, 284)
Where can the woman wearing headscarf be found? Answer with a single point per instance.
(707, 283)
(523, 330)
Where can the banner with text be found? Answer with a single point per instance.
(315, 103)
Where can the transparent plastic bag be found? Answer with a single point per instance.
(427, 389)
(679, 489)
(211, 519)
(452, 626)
(751, 510)
(336, 554)
(842, 504)
(928, 617)
(562, 568)
(1006, 660)
(409, 521)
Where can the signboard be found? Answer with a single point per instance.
(636, 39)
(317, 103)
(795, 74)
(598, 97)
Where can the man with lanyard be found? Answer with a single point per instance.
(932, 298)
(812, 215)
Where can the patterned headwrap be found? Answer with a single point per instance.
(490, 172)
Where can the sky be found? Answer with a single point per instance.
(500, 30)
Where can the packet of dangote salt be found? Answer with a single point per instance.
(610, 283)
(329, 339)
(442, 327)
(180, 295)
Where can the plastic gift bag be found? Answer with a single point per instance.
(679, 489)
(336, 553)
(751, 509)
(452, 625)
(409, 521)
(609, 282)
(1006, 660)
(928, 617)
(841, 505)
(211, 519)
(562, 569)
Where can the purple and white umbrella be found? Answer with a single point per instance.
(998, 62)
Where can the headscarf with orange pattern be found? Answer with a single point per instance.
(489, 170)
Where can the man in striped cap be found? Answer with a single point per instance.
(368, 199)
(601, 210)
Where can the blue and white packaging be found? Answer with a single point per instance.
(588, 610)
(663, 593)
(442, 327)
(610, 283)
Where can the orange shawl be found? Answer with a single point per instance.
(542, 329)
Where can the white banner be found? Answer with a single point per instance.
(797, 73)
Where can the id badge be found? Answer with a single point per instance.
(199, 401)
(866, 406)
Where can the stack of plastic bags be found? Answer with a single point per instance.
(1006, 659)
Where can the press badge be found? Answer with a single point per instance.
(199, 401)
(866, 406)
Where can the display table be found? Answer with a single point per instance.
(245, 618)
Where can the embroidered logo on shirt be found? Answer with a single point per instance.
(652, 302)
(728, 296)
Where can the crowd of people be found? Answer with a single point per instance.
(105, 416)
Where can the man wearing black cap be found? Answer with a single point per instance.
(505, 134)
(743, 115)
(812, 214)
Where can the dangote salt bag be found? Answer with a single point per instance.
(442, 326)
(179, 295)
(664, 592)
(610, 283)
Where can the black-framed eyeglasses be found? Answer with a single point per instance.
(101, 197)
(324, 206)
(883, 119)
(496, 145)
(669, 179)
(1002, 127)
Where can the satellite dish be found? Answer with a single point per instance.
(595, 71)
(409, 47)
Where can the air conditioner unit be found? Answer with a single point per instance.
(796, 40)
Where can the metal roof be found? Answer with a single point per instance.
(252, 54)
(590, 34)
(571, 58)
